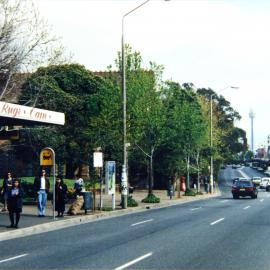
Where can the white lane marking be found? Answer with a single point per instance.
(217, 221)
(195, 208)
(134, 261)
(261, 200)
(246, 207)
(149, 220)
(224, 201)
(243, 174)
(13, 258)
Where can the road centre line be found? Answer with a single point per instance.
(246, 207)
(224, 201)
(13, 258)
(134, 261)
(195, 208)
(261, 200)
(217, 221)
(149, 220)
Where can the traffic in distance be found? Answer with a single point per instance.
(248, 187)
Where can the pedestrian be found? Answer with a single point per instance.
(206, 184)
(60, 196)
(42, 187)
(14, 203)
(170, 189)
(7, 185)
(78, 185)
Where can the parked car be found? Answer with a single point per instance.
(256, 180)
(243, 188)
(264, 182)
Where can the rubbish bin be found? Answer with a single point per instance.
(88, 200)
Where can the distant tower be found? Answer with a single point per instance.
(268, 147)
(251, 116)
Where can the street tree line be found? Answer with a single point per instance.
(168, 124)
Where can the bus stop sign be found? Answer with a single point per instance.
(46, 157)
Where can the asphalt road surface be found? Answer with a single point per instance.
(219, 233)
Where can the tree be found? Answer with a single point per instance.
(226, 137)
(25, 41)
(75, 91)
(185, 126)
(145, 116)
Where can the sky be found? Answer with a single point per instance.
(210, 43)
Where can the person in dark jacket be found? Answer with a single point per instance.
(78, 185)
(7, 185)
(60, 196)
(42, 187)
(14, 203)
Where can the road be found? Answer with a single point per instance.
(219, 233)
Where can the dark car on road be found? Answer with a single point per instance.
(244, 188)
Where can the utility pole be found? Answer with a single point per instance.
(251, 116)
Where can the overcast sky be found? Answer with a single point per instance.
(211, 43)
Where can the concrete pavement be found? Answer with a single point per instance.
(31, 224)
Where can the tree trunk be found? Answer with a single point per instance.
(198, 176)
(188, 178)
(151, 178)
(70, 169)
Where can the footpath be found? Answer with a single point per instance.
(31, 224)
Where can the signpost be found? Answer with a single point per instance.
(98, 163)
(110, 180)
(47, 158)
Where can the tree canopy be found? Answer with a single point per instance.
(167, 123)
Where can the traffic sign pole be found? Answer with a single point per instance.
(47, 158)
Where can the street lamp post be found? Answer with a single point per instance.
(211, 138)
(124, 180)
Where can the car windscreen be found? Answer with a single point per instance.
(244, 183)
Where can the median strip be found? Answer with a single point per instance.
(135, 224)
(246, 207)
(134, 261)
(13, 258)
(217, 221)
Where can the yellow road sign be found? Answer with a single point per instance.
(46, 157)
